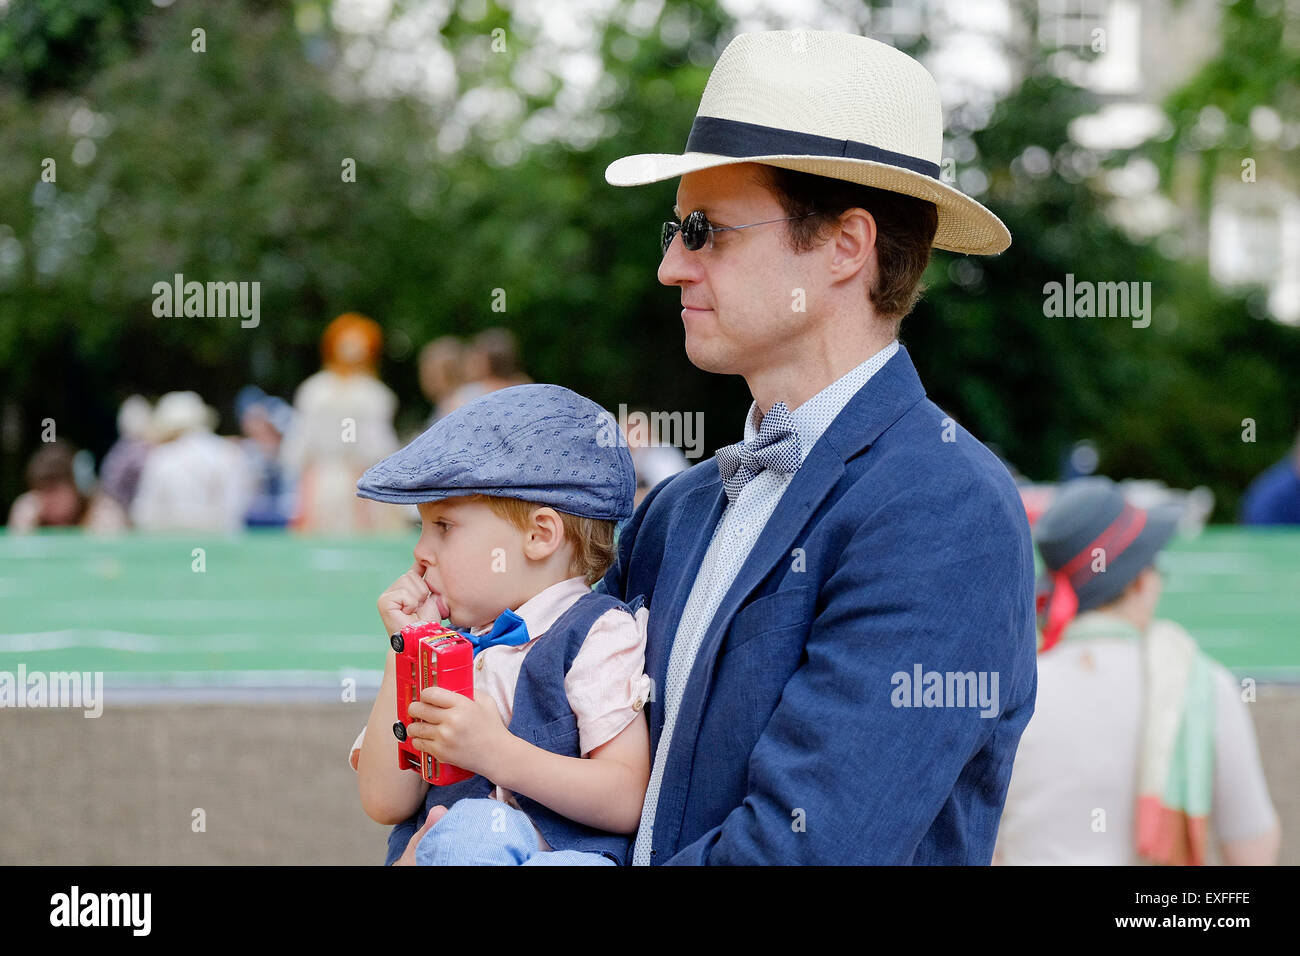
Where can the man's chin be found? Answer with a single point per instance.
(707, 358)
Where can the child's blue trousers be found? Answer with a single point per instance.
(485, 832)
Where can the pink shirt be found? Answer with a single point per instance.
(607, 685)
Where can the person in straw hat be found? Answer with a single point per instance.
(193, 479)
(841, 604)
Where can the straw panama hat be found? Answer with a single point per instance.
(832, 104)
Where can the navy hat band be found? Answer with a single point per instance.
(724, 137)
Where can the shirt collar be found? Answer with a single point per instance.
(545, 607)
(813, 417)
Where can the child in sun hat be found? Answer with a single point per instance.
(519, 493)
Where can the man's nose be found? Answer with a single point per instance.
(679, 265)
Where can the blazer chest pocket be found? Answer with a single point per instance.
(789, 610)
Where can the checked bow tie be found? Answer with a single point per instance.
(775, 448)
(509, 628)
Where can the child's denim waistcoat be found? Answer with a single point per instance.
(543, 717)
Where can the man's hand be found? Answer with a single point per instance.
(459, 731)
(408, 855)
(408, 600)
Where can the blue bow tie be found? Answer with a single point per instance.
(776, 448)
(509, 628)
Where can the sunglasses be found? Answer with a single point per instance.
(696, 230)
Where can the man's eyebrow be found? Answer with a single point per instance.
(710, 212)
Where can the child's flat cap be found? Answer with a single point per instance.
(541, 443)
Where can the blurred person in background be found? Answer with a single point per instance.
(654, 461)
(343, 424)
(1140, 745)
(1274, 496)
(119, 474)
(1080, 461)
(442, 371)
(192, 479)
(55, 498)
(491, 362)
(264, 420)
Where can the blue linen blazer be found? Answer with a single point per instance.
(901, 541)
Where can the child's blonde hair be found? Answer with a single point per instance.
(592, 538)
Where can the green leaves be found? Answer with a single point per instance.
(226, 166)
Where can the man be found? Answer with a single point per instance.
(830, 600)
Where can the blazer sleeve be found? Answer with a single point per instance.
(844, 772)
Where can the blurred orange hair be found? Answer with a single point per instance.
(339, 344)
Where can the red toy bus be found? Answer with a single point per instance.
(429, 655)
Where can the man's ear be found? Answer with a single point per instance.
(545, 534)
(853, 247)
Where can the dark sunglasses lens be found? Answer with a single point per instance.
(695, 231)
(666, 236)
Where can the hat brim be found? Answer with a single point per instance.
(964, 225)
(169, 427)
(1161, 523)
(420, 497)
(392, 497)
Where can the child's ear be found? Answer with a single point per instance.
(545, 534)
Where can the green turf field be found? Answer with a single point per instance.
(268, 606)
(273, 609)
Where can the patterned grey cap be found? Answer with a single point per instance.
(541, 443)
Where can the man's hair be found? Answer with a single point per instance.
(905, 228)
(592, 538)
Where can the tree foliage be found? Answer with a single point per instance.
(226, 165)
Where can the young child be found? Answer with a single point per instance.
(519, 493)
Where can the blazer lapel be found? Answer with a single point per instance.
(684, 546)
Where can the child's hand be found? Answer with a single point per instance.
(459, 731)
(408, 600)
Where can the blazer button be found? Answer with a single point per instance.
(637, 705)
(478, 664)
